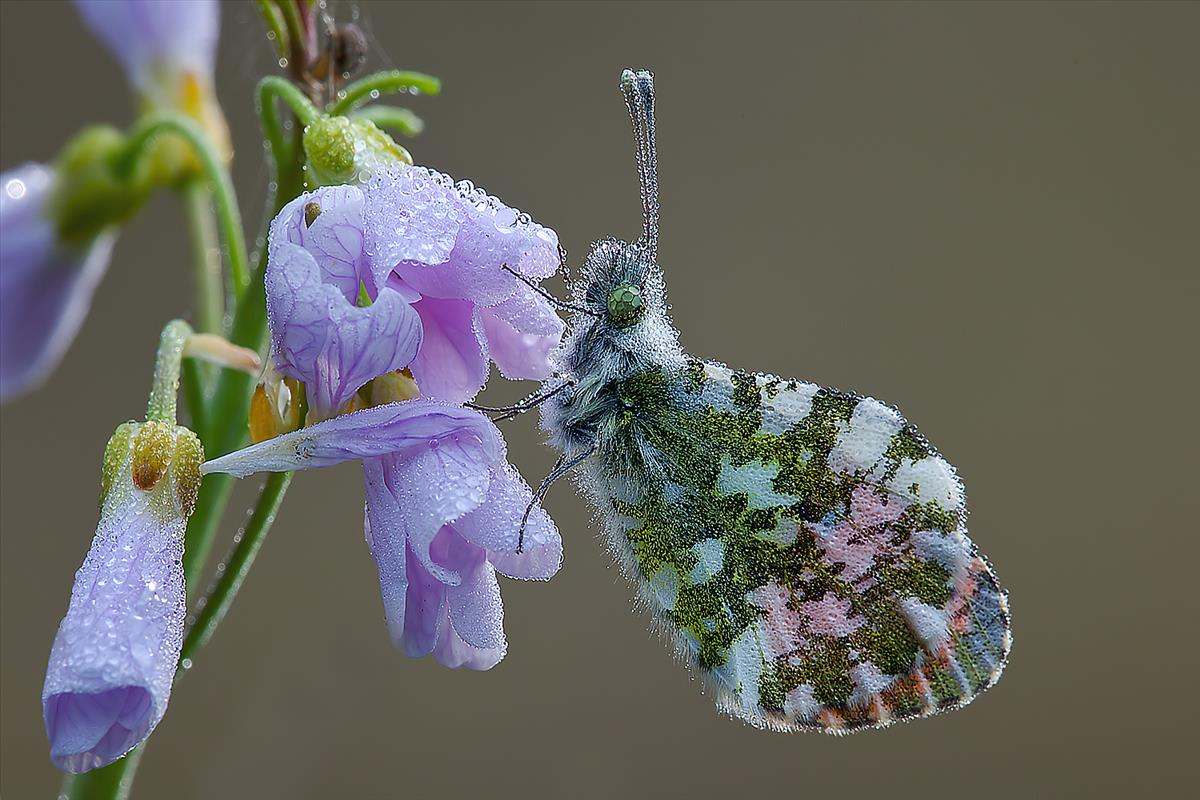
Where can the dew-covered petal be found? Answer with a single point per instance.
(397, 284)
(437, 484)
(412, 214)
(148, 34)
(392, 429)
(425, 614)
(451, 241)
(323, 339)
(451, 363)
(388, 544)
(424, 609)
(413, 599)
(114, 657)
(453, 652)
(46, 286)
(533, 563)
(521, 334)
(474, 604)
(335, 237)
(495, 526)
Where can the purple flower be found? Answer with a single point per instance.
(444, 248)
(319, 333)
(46, 285)
(114, 657)
(443, 517)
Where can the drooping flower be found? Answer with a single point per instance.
(46, 284)
(168, 51)
(114, 657)
(443, 516)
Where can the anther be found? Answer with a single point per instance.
(311, 212)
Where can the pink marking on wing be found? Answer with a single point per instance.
(831, 615)
(780, 628)
(868, 509)
(861, 539)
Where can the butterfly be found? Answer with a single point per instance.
(804, 548)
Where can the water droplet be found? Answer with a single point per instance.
(271, 35)
(15, 188)
(283, 62)
(186, 663)
(374, 94)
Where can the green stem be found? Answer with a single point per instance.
(229, 578)
(398, 119)
(210, 297)
(210, 294)
(229, 218)
(273, 88)
(165, 390)
(108, 783)
(378, 83)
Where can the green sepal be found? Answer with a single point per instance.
(156, 458)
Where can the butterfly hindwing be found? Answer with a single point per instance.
(806, 548)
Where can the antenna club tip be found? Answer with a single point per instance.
(629, 77)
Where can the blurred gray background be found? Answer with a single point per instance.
(986, 214)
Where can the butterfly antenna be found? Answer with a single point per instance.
(561, 467)
(638, 88)
(554, 301)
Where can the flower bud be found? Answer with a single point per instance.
(341, 150)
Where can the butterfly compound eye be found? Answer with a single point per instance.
(625, 305)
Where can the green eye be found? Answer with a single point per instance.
(625, 304)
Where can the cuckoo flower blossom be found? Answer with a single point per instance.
(46, 284)
(114, 657)
(443, 517)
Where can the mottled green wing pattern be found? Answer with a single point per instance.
(806, 547)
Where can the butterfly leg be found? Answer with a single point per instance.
(533, 401)
(561, 468)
